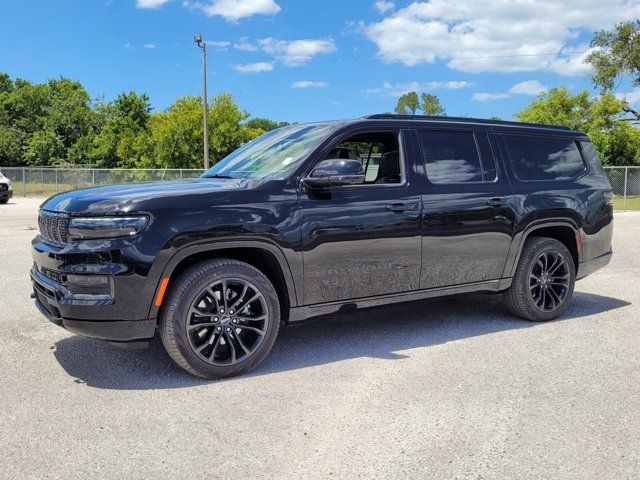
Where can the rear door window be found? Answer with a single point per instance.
(457, 157)
(544, 158)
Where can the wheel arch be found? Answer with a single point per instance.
(262, 255)
(565, 231)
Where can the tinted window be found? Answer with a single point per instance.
(452, 157)
(544, 158)
(378, 152)
(592, 158)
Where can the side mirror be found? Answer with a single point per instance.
(335, 171)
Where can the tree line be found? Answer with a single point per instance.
(58, 124)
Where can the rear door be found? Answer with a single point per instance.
(468, 216)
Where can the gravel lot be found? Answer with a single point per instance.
(449, 389)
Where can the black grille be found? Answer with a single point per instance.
(4, 187)
(52, 274)
(53, 227)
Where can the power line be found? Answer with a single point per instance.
(376, 59)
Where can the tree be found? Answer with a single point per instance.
(177, 133)
(407, 104)
(39, 123)
(431, 105)
(264, 124)
(617, 57)
(617, 142)
(123, 121)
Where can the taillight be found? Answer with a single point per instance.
(608, 197)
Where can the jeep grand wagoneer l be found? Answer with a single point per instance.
(309, 218)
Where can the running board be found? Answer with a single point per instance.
(297, 314)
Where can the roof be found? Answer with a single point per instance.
(482, 121)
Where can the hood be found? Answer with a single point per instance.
(142, 197)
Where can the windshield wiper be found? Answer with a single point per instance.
(217, 175)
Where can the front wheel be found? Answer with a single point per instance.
(221, 318)
(543, 284)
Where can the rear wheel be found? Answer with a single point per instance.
(221, 318)
(543, 284)
(4, 200)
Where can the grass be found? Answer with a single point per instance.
(633, 203)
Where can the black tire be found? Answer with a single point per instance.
(538, 296)
(4, 200)
(183, 323)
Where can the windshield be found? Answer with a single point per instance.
(273, 155)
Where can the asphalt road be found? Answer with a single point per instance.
(449, 389)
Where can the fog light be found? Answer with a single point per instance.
(89, 284)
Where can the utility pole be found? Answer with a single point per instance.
(203, 47)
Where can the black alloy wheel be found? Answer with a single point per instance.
(227, 321)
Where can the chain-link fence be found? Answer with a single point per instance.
(625, 183)
(40, 182)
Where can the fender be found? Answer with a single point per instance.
(513, 257)
(220, 244)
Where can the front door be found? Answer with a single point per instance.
(363, 240)
(468, 212)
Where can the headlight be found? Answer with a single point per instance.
(105, 227)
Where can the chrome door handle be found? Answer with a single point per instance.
(401, 207)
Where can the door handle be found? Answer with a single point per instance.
(496, 202)
(401, 207)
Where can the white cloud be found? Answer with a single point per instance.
(218, 43)
(486, 97)
(632, 97)
(508, 36)
(383, 7)
(257, 67)
(528, 87)
(234, 10)
(150, 3)
(245, 44)
(128, 46)
(296, 52)
(397, 89)
(149, 45)
(308, 84)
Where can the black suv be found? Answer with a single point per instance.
(311, 219)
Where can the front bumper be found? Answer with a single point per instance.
(112, 331)
(52, 299)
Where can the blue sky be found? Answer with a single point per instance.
(300, 60)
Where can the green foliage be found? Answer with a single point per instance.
(409, 103)
(177, 133)
(431, 105)
(264, 124)
(602, 118)
(617, 58)
(57, 123)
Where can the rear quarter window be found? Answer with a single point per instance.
(544, 158)
(592, 157)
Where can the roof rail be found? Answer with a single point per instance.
(393, 116)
